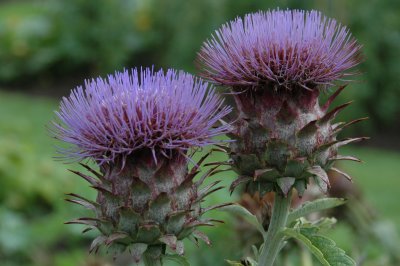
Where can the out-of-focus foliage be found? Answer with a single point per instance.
(377, 27)
(32, 209)
(64, 37)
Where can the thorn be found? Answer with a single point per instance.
(332, 114)
(333, 97)
(348, 177)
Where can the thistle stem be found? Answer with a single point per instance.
(274, 238)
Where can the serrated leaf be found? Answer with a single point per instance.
(315, 206)
(333, 254)
(241, 211)
(177, 259)
(323, 248)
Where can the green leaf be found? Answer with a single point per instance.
(315, 206)
(182, 261)
(241, 211)
(323, 248)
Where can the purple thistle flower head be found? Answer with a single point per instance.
(130, 111)
(286, 49)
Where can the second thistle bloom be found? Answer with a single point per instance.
(138, 127)
(276, 63)
(282, 48)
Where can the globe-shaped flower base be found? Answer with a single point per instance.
(145, 205)
(284, 138)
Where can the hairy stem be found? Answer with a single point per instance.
(274, 238)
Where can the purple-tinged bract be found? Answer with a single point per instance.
(129, 111)
(286, 49)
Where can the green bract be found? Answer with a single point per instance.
(145, 206)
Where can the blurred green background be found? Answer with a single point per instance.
(48, 47)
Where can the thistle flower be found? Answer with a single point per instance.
(128, 112)
(138, 127)
(276, 63)
(286, 49)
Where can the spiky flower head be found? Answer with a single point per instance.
(276, 63)
(287, 49)
(138, 128)
(115, 117)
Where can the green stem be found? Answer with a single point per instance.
(306, 259)
(274, 237)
